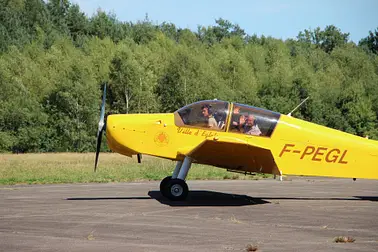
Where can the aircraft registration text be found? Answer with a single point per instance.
(313, 153)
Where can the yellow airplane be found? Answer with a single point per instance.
(239, 138)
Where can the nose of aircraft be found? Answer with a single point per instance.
(121, 132)
(131, 134)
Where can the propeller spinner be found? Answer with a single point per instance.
(101, 127)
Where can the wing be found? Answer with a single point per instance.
(233, 154)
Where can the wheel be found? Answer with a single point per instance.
(163, 185)
(176, 189)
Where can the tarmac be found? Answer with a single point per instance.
(297, 214)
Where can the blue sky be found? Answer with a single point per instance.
(280, 19)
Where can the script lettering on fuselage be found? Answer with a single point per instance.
(316, 154)
(196, 132)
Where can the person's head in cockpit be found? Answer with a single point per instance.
(250, 127)
(208, 114)
(250, 121)
(206, 110)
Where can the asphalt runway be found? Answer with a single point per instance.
(300, 214)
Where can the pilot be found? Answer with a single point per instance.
(250, 127)
(208, 114)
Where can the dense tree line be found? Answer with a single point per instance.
(54, 60)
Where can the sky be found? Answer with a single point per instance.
(280, 19)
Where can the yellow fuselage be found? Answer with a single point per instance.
(295, 147)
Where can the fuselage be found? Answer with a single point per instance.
(286, 145)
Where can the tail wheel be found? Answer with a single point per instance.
(176, 189)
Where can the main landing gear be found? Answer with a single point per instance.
(174, 187)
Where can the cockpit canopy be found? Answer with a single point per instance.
(199, 114)
(233, 117)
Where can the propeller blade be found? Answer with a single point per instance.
(102, 113)
(101, 127)
(99, 137)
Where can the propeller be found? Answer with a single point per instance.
(101, 127)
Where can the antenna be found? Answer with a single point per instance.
(300, 104)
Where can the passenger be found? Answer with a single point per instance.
(208, 114)
(237, 120)
(250, 126)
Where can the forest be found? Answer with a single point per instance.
(54, 60)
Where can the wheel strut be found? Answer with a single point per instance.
(174, 187)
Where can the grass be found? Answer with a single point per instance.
(344, 239)
(49, 168)
(251, 247)
(233, 219)
(91, 237)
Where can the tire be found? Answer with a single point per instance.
(163, 185)
(176, 190)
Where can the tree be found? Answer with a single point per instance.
(275, 89)
(54, 60)
(143, 31)
(58, 10)
(223, 29)
(169, 30)
(327, 39)
(124, 80)
(235, 73)
(73, 101)
(77, 22)
(188, 77)
(370, 43)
